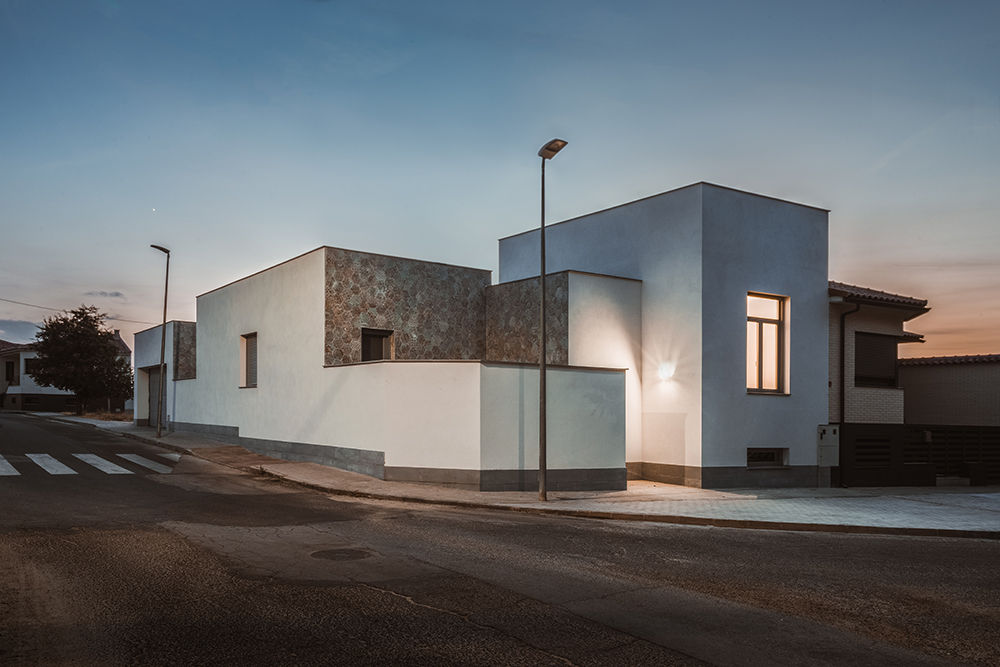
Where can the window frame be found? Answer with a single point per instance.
(246, 347)
(779, 352)
(872, 381)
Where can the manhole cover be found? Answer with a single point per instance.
(342, 554)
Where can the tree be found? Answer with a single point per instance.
(77, 353)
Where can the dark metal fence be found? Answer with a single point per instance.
(916, 455)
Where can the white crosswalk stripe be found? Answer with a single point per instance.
(6, 468)
(170, 456)
(102, 465)
(146, 463)
(50, 465)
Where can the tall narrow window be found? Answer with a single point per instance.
(376, 344)
(765, 341)
(248, 361)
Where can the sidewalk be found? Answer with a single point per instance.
(925, 511)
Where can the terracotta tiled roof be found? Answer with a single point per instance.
(870, 295)
(959, 359)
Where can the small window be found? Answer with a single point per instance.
(9, 372)
(30, 366)
(767, 457)
(248, 360)
(765, 343)
(376, 344)
(874, 360)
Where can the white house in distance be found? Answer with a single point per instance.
(19, 389)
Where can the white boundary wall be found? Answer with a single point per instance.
(423, 414)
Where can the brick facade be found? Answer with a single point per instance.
(865, 405)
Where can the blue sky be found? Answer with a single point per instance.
(260, 130)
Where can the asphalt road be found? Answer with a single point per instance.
(194, 563)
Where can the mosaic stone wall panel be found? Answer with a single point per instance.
(436, 311)
(512, 320)
(184, 350)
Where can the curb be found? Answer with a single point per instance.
(677, 519)
(746, 524)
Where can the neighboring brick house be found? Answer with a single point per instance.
(958, 390)
(866, 325)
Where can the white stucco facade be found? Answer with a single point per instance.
(441, 420)
(699, 251)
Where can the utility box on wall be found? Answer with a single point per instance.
(828, 443)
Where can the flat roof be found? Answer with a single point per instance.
(357, 252)
(667, 192)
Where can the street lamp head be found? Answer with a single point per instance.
(159, 247)
(549, 150)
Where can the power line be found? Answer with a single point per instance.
(59, 310)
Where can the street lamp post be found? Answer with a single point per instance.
(163, 345)
(546, 152)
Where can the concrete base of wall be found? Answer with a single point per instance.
(364, 461)
(732, 477)
(576, 479)
(514, 480)
(369, 462)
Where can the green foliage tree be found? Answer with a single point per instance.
(77, 353)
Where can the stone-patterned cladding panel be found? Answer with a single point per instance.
(435, 311)
(184, 350)
(512, 320)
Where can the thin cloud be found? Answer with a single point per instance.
(110, 295)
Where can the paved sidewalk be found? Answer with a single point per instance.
(943, 511)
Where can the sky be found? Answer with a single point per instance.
(243, 133)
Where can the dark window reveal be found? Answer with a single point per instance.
(30, 366)
(376, 344)
(9, 373)
(874, 360)
(249, 360)
(767, 457)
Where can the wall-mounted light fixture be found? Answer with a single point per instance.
(666, 370)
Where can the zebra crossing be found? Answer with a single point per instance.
(12, 465)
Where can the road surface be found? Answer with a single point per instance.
(115, 552)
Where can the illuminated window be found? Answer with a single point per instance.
(765, 343)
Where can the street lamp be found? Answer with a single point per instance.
(163, 345)
(546, 152)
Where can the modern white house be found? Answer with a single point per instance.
(378, 364)
(731, 381)
(693, 338)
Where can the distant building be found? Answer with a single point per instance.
(19, 391)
